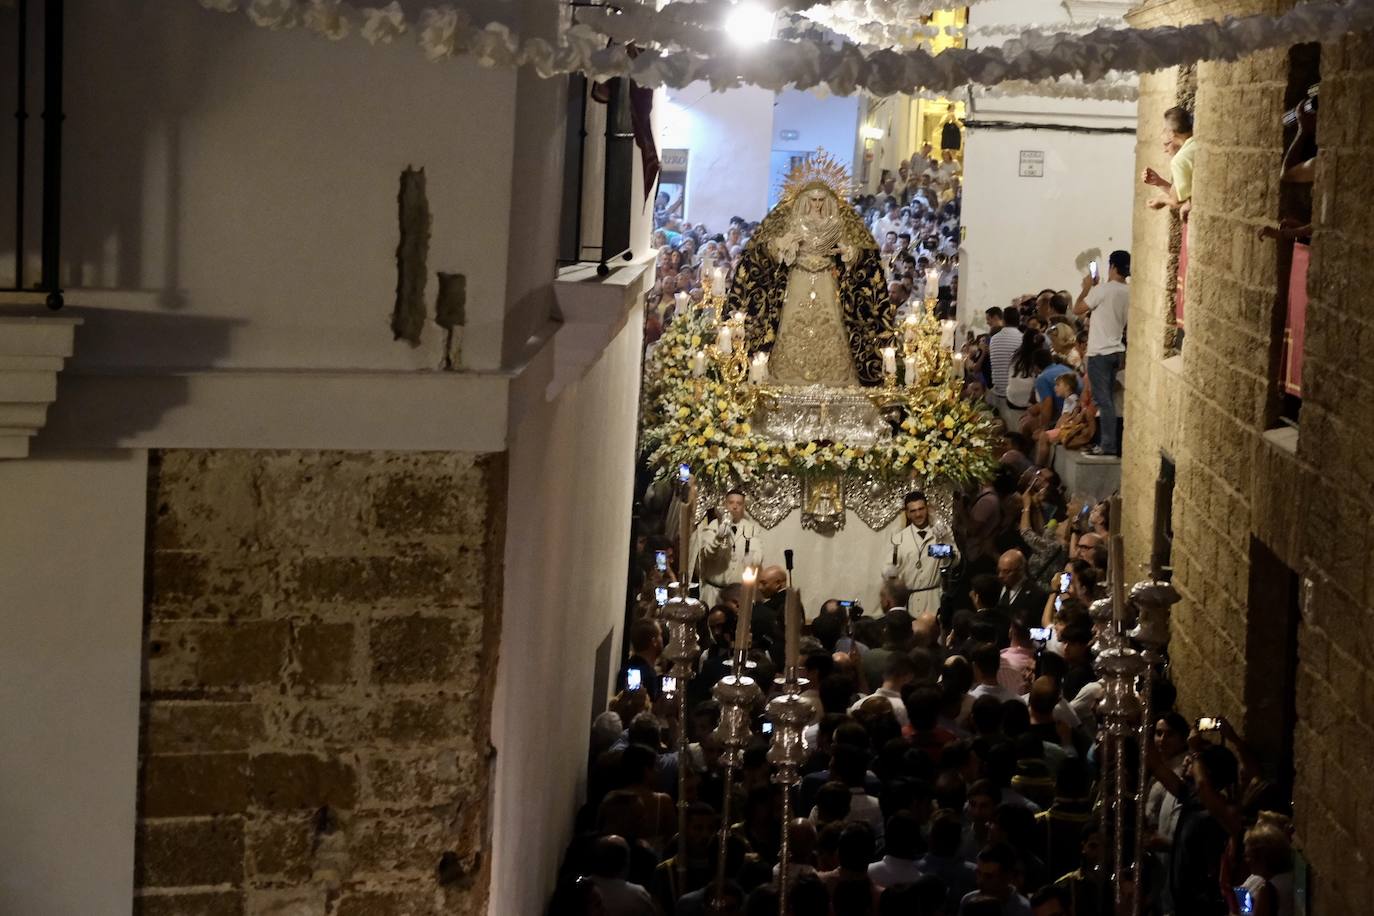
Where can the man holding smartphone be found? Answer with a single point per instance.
(1108, 304)
(920, 551)
(724, 542)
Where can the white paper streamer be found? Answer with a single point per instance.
(328, 18)
(676, 52)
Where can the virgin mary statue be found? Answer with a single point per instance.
(812, 284)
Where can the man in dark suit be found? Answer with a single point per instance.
(1019, 594)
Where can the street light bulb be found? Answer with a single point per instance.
(749, 23)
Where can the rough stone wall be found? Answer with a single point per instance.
(1231, 291)
(1335, 512)
(1311, 507)
(1151, 396)
(320, 646)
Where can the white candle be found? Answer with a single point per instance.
(889, 360)
(699, 363)
(746, 608)
(758, 369)
(947, 328)
(681, 300)
(718, 276)
(723, 339)
(909, 367)
(932, 283)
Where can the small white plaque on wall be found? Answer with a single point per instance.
(1032, 164)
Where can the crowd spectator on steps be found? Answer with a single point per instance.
(1108, 304)
(1001, 347)
(1029, 360)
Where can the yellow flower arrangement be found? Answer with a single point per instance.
(696, 422)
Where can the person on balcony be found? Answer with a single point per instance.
(1179, 144)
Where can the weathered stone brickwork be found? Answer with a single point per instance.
(1311, 508)
(320, 646)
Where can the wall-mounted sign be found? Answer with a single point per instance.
(1032, 164)
(788, 135)
(673, 158)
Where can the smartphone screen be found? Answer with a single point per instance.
(1246, 901)
(1065, 581)
(684, 473)
(939, 551)
(1040, 634)
(768, 728)
(1058, 603)
(661, 595)
(661, 560)
(1092, 270)
(669, 684)
(634, 679)
(1208, 724)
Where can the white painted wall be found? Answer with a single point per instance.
(567, 545)
(735, 145)
(829, 123)
(71, 626)
(237, 187)
(728, 136)
(1023, 234)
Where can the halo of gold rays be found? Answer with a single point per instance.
(820, 167)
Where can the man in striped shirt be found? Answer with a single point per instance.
(1001, 347)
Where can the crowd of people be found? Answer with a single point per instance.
(953, 753)
(1049, 362)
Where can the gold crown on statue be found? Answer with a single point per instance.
(818, 168)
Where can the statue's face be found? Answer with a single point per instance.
(814, 201)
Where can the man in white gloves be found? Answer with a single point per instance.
(724, 543)
(920, 550)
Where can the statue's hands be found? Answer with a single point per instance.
(786, 247)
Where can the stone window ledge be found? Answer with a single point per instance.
(33, 350)
(1284, 438)
(594, 310)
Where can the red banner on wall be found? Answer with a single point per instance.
(1182, 274)
(1296, 321)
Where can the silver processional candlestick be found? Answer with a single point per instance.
(1152, 601)
(1126, 708)
(738, 695)
(790, 714)
(683, 613)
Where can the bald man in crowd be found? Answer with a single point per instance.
(1019, 593)
(770, 603)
